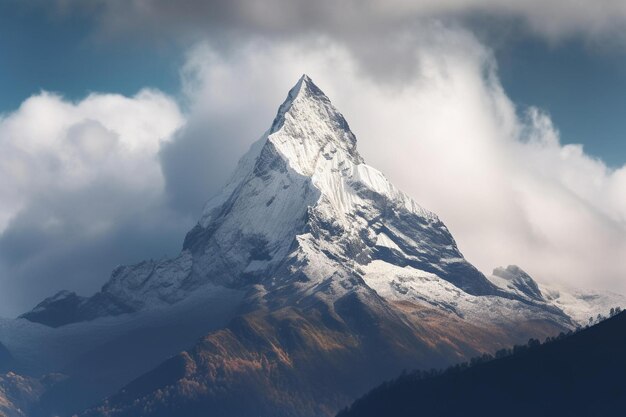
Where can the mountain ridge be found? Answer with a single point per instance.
(311, 150)
(307, 257)
(576, 375)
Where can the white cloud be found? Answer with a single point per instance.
(52, 144)
(113, 179)
(72, 175)
(510, 192)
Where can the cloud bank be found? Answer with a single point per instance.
(451, 138)
(115, 179)
(81, 190)
(552, 19)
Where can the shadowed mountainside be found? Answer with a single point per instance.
(291, 362)
(579, 375)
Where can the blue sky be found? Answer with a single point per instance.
(121, 118)
(581, 85)
(582, 88)
(40, 51)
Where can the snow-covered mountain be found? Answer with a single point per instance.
(578, 303)
(311, 278)
(301, 197)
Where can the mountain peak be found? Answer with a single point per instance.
(308, 129)
(307, 87)
(515, 278)
(304, 90)
(302, 203)
(306, 82)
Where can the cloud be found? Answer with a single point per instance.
(226, 114)
(552, 19)
(81, 189)
(112, 179)
(449, 136)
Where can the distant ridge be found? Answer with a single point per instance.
(578, 375)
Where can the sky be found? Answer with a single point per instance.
(119, 119)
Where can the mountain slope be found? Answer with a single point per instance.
(580, 375)
(292, 363)
(310, 278)
(577, 303)
(101, 356)
(301, 195)
(18, 394)
(308, 229)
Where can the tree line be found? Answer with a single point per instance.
(419, 374)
